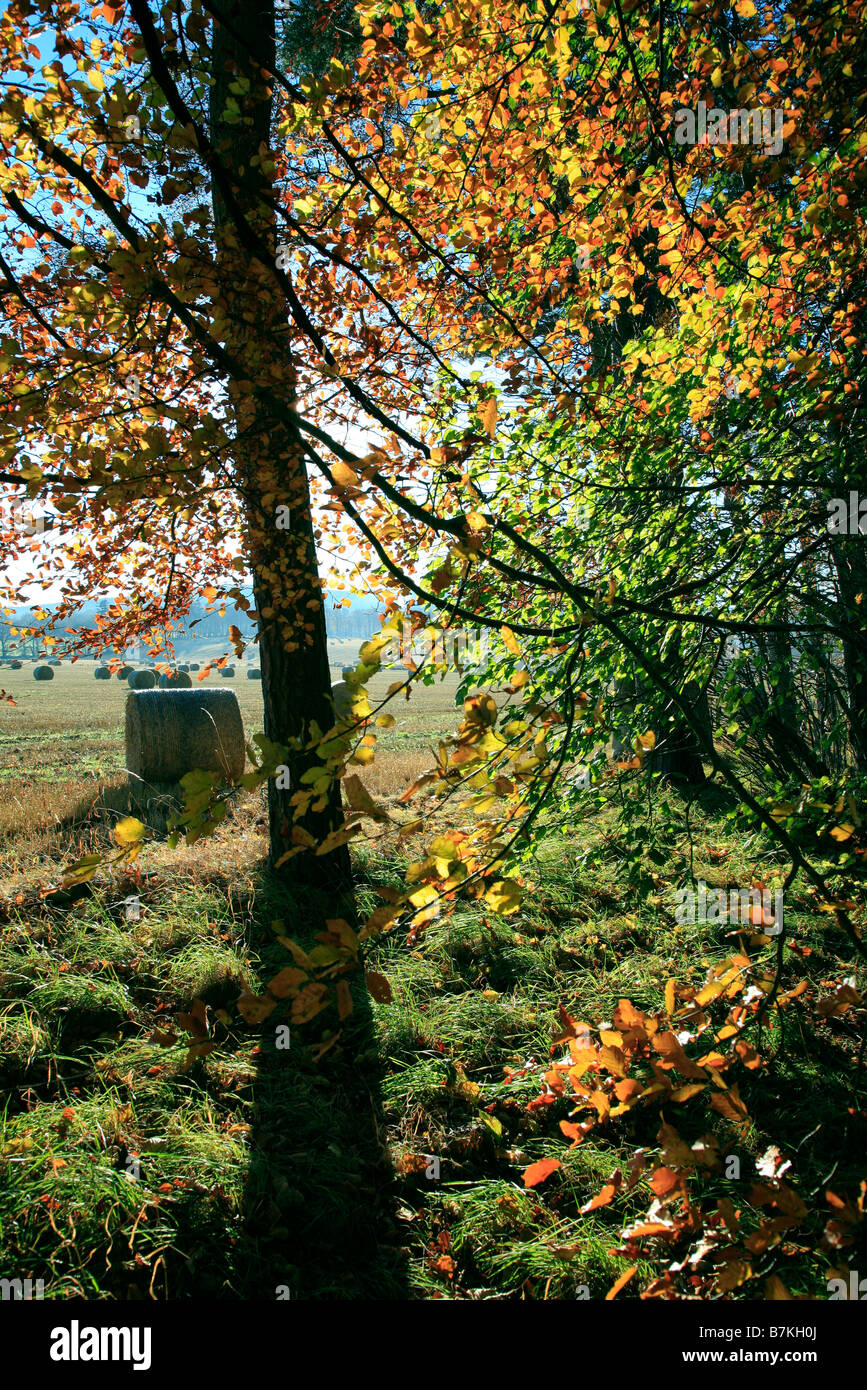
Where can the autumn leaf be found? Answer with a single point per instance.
(128, 831)
(504, 897)
(730, 1106)
(510, 641)
(538, 1172)
(488, 416)
(344, 1000)
(378, 987)
(621, 1283)
(602, 1198)
(288, 981)
(255, 1008)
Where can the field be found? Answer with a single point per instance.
(392, 1169)
(62, 748)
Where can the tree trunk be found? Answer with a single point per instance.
(269, 460)
(677, 752)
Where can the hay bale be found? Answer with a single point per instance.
(184, 666)
(171, 733)
(43, 673)
(228, 671)
(143, 679)
(102, 673)
(54, 661)
(15, 665)
(342, 697)
(124, 672)
(178, 680)
(254, 673)
(194, 666)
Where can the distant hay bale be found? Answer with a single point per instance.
(124, 673)
(178, 680)
(171, 733)
(193, 666)
(254, 673)
(54, 661)
(184, 666)
(143, 679)
(43, 673)
(228, 671)
(342, 697)
(15, 665)
(102, 673)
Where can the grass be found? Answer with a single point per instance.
(393, 1168)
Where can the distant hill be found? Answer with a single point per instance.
(204, 628)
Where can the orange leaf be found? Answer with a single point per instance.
(286, 982)
(730, 1106)
(608, 1193)
(538, 1172)
(620, 1283)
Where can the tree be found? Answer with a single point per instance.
(216, 269)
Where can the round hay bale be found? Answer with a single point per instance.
(102, 673)
(178, 680)
(254, 673)
(171, 732)
(124, 673)
(143, 679)
(43, 673)
(228, 671)
(341, 694)
(193, 666)
(184, 666)
(15, 665)
(54, 661)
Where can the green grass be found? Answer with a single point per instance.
(126, 1174)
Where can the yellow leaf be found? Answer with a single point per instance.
(343, 475)
(746, 9)
(443, 848)
(128, 831)
(510, 640)
(96, 79)
(842, 832)
(504, 897)
(424, 895)
(488, 416)
(669, 997)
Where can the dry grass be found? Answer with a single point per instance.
(62, 766)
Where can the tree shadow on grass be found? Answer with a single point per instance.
(318, 1220)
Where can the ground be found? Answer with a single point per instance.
(393, 1168)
